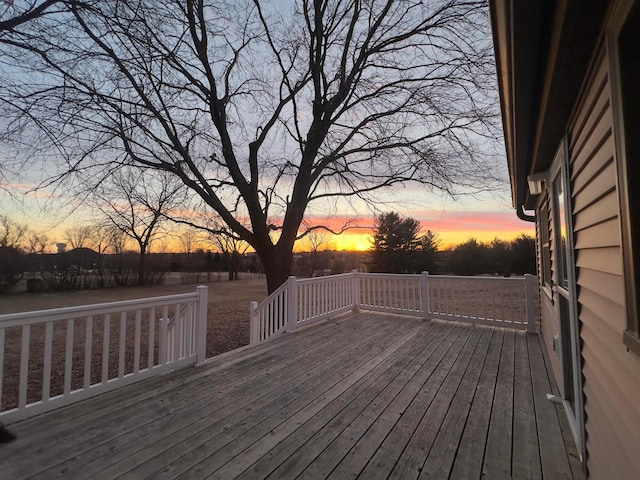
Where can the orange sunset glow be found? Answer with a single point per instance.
(452, 228)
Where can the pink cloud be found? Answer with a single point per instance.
(474, 221)
(468, 221)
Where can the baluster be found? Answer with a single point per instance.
(88, 346)
(68, 358)
(106, 337)
(189, 343)
(484, 300)
(164, 336)
(451, 300)
(136, 351)
(500, 306)
(121, 347)
(469, 310)
(24, 366)
(177, 331)
(511, 317)
(152, 339)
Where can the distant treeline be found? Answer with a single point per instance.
(399, 246)
(84, 268)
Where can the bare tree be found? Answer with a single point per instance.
(189, 238)
(264, 114)
(136, 204)
(37, 242)
(100, 237)
(116, 240)
(228, 244)
(15, 13)
(78, 236)
(319, 239)
(12, 233)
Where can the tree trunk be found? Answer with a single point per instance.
(277, 268)
(141, 266)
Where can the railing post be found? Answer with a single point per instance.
(201, 323)
(292, 304)
(253, 323)
(530, 299)
(355, 285)
(424, 295)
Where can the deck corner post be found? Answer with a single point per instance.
(530, 296)
(201, 323)
(253, 323)
(355, 285)
(292, 303)
(424, 295)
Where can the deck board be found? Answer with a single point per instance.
(359, 404)
(367, 395)
(550, 435)
(526, 463)
(443, 453)
(414, 404)
(439, 397)
(471, 449)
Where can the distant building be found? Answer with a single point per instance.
(62, 247)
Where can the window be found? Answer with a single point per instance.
(623, 41)
(545, 247)
(561, 231)
(564, 288)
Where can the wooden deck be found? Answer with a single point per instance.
(367, 395)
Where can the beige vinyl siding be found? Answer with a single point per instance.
(611, 374)
(549, 327)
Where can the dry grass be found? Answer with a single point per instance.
(228, 328)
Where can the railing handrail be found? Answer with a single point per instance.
(36, 316)
(326, 278)
(479, 278)
(488, 278)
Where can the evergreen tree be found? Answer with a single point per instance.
(399, 248)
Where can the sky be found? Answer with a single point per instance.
(454, 222)
(452, 228)
(483, 217)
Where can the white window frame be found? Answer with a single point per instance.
(575, 415)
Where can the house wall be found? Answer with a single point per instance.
(611, 374)
(549, 322)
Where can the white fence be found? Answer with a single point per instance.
(299, 302)
(495, 301)
(56, 357)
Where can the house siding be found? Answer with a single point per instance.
(549, 328)
(611, 374)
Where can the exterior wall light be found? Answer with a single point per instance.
(535, 181)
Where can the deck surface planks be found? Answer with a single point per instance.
(366, 395)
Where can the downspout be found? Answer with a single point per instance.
(524, 216)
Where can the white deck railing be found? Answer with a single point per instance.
(56, 357)
(495, 301)
(270, 316)
(299, 302)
